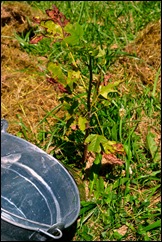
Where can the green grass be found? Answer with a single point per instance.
(105, 22)
(125, 197)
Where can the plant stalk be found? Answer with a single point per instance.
(88, 107)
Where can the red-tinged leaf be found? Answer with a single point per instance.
(62, 88)
(57, 85)
(57, 16)
(51, 80)
(119, 148)
(52, 28)
(74, 127)
(111, 147)
(111, 159)
(37, 20)
(56, 72)
(36, 39)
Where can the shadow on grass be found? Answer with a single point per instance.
(71, 151)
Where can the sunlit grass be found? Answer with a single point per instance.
(124, 203)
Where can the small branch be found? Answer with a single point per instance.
(88, 106)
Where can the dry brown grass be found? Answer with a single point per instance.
(141, 70)
(24, 91)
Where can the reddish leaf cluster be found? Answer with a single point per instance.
(111, 159)
(74, 127)
(36, 39)
(107, 159)
(37, 20)
(58, 86)
(57, 16)
(119, 149)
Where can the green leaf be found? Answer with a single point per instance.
(120, 182)
(152, 147)
(117, 236)
(151, 176)
(154, 225)
(52, 28)
(101, 53)
(86, 206)
(76, 32)
(94, 176)
(100, 188)
(95, 141)
(56, 72)
(128, 151)
(73, 77)
(105, 90)
(82, 123)
(109, 146)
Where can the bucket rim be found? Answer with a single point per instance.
(48, 231)
(33, 225)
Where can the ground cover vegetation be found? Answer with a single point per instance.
(83, 84)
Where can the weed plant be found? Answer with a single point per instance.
(123, 202)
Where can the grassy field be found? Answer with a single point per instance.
(119, 201)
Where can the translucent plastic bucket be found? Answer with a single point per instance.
(39, 198)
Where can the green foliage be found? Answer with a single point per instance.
(76, 34)
(52, 29)
(56, 71)
(95, 141)
(58, 30)
(152, 147)
(124, 198)
(82, 123)
(105, 90)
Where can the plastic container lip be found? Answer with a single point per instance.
(32, 225)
